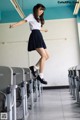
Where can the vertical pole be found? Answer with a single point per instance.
(14, 97)
(9, 106)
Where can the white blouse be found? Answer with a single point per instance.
(33, 22)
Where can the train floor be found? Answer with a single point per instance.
(55, 105)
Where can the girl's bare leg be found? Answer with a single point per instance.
(45, 52)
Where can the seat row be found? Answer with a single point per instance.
(18, 91)
(74, 82)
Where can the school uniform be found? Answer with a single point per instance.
(35, 39)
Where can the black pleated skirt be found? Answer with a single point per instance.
(36, 40)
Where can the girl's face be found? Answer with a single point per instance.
(40, 11)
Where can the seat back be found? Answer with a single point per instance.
(6, 77)
(27, 74)
(18, 72)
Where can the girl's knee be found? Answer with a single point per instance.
(47, 57)
(44, 56)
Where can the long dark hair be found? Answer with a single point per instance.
(35, 13)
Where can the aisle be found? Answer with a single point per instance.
(56, 105)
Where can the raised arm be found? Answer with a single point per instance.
(18, 23)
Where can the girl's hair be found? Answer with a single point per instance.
(35, 13)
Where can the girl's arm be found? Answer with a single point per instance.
(17, 24)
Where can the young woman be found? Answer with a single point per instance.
(36, 42)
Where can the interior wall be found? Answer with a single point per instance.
(62, 44)
(78, 23)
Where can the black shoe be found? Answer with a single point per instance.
(41, 80)
(32, 70)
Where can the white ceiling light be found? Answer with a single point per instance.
(77, 6)
(18, 8)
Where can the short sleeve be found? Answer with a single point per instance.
(28, 18)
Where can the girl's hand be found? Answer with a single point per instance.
(10, 26)
(45, 30)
